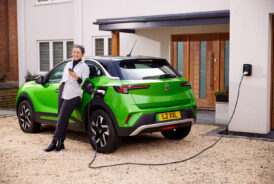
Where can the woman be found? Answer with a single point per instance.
(70, 94)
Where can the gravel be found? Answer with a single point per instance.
(22, 159)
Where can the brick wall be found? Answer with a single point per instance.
(8, 40)
(8, 97)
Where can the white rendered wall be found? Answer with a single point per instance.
(156, 42)
(45, 22)
(21, 41)
(250, 42)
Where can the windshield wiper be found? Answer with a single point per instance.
(151, 77)
(164, 76)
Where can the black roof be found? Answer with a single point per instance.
(111, 63)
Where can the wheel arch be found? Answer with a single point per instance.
(98, 103)
(23, 96)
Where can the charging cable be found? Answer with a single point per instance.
(173, 162)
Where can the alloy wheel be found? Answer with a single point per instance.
(100, 131)
(24, 117)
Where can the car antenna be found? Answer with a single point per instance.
(132, 49)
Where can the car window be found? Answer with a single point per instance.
(56, 75)
(94, 69)
(146, 69)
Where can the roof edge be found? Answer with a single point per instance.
(165, 17)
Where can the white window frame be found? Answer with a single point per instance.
(52, 2)
(51, 53)
(105, 44)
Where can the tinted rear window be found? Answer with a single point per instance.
(146, 69)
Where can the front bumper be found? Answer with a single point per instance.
(147, 123)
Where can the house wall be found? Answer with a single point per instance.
(8, 40)
(250, 42)
(74, 20)
(42, 23)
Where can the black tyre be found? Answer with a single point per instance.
(176, 133)
(100, 130)
(25, 116)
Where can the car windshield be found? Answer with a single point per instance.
(146, 69)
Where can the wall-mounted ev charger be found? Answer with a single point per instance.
(247, 69)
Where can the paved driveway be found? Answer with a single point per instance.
(22, 159)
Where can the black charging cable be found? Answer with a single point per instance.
(173, 162)
(93, 139)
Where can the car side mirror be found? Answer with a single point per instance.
(39, 80)
(88, 87)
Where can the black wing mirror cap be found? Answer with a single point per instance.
(39, 80)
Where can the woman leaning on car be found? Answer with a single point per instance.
(70, 94)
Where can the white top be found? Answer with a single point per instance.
(72, 88)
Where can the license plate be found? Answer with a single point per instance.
(168, 116)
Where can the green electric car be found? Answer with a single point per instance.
(133, 95)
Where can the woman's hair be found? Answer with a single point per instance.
(81, 47)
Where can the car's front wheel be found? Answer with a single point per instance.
(101, 132)
(26, 117)
(176, 133)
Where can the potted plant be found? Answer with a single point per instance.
(221, 113)
(222, 96)
(30, 76)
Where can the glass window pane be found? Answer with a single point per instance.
(44, 56)
(94, 70)
(69, 49)
(203, 69)
(57, 74)
(99, 47)
(57, 52)
(180, 58)
(145, 69)
(226, 63)
(109, 46)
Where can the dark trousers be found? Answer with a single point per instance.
(65, 108)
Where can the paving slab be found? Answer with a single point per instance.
(206, 117)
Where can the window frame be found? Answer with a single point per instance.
(51, 63)
(98, 66)
(52, 2)
(106, 43)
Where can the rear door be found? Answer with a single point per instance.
(161, 93)
(154, 83)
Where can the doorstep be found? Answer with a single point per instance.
(251, 136)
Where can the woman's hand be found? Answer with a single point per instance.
(73, 74)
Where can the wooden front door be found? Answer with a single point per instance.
(203, 60)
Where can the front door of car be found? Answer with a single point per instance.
(47, 95)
